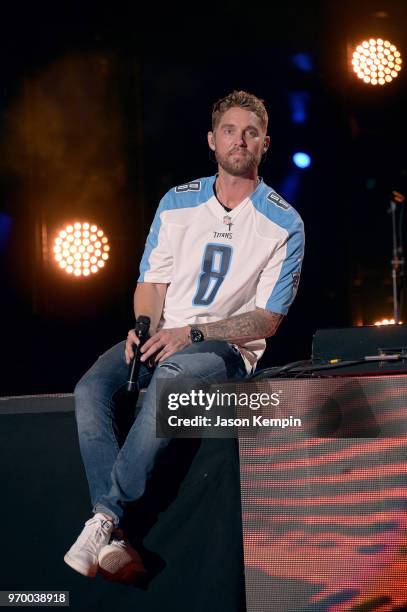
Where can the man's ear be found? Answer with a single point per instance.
(266, 144)
(211, 140)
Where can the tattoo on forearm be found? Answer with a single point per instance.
(242, 328)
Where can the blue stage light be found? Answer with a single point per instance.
(301, 159)
(299, 101)
(303, 62)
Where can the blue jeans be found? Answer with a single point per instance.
(117, 475)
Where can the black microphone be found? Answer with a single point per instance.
(141, 328)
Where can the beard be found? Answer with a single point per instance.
(241, 165)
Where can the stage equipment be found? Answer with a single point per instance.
(376, 61)
(386, 322)
(359, 342)
(365, 350)
(349, 350)
(81, 249)
(175, 526)
(397, 262)
(324, 504)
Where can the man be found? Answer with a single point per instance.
(220, 269)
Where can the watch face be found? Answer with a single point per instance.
(196, 335)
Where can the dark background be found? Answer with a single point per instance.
(104, 108)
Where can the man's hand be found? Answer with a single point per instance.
(131, 340)
(164, 343)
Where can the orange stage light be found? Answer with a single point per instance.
(376, 61)
(81, 249)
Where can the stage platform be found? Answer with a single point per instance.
(189, 523)
(324, 507)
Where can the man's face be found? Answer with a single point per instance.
(239, 142)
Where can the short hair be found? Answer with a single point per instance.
(242, 99)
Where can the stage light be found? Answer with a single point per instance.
(81, 249)
(376, 61)
(303, 61)
(299, 103)
(301, 159)
(387, 322)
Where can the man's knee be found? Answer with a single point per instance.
(85, 388)
(170, 368)
(209, 358)
(86, 393)
(182, 364)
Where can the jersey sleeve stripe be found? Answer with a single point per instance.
(284, 290)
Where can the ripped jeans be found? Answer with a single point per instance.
(117, 475)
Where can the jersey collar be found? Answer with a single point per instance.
(217, 207)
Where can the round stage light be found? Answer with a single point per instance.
(81, 249)
(301, 159)
(376, 61)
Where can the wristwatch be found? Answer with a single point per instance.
(196, 335)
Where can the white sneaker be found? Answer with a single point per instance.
(118, 561)
(83, 554)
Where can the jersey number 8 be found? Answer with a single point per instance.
(215, 266)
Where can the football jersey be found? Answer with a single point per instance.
(217, 263)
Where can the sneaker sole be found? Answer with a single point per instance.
(82, 569)
(117, 565)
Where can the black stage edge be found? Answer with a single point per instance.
(189, 523)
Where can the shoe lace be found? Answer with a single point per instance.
(96, 530)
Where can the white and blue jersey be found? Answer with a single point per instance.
(219, 264)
